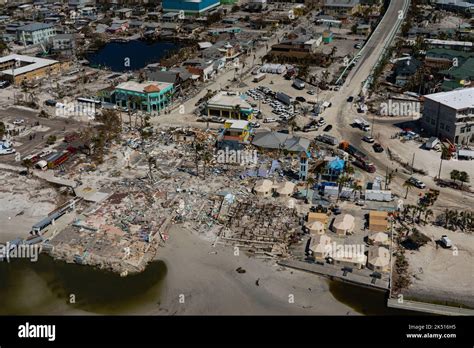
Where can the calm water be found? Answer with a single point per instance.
(45, 286)
(365, 301)
(137, 54)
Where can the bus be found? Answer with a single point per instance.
(96, 103)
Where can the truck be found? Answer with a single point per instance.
(445, 242)
(327, 139)
(284, 98)
(361, 159)
(362, 124)
(298, 84)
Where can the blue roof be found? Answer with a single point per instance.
(337, 164)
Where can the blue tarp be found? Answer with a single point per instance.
(336, 165)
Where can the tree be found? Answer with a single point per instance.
(408, 185)
(341, 181)
(454, 175)
(2, 129)
(428, 214)
(464, 178)
(309, 183)
(206, 157)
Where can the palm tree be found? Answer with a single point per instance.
(291, 126)
(408, 185)
(309, 183)
(428, 214)
(349, 169)
(341, 181)
(356, 188)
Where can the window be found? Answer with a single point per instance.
(463, 129)
(447, 128)
(441, 125)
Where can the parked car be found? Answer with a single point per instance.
(269, 120)
(4, 84)
(377, 147)
(50, 102)
(18, 121)
(445, 242)
(311, 92)
(368, 139)
(350, 99)
(416, 182)
(327, 128)
(301, 99)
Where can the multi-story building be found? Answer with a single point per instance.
(450, 115)
(18, 68)
(341, 7)
(64, 44)
(195, 7)
(35, 33)
(229, 105)
(297, 46)
(149, 96)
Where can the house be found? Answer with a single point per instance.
(378, 259)
(445, 58)
(459, 76)
(319, 246)
(378, 239)
(378, 221)
(148, 96)
(195, 7)
(179, 77)
(64, 44)
(343, 225)
(200, 67)
(450, 115)
(341, 7)
(236, 130)
(35, 33)
(321, 217)
(229, 105)
(315, 227)
(363, 29)
(118, 26)
(263, 188)
(297, 46)
(124, 13)
(285, 189)
(280, 141)
(450, 44)
(404, 69)
(350, 260)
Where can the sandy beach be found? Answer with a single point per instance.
(208, 279)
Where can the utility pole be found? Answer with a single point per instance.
(413, 163)
(373, 125)
(440, 165)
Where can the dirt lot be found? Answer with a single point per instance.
(22, 204)
(443, 274)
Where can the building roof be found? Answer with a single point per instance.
(318, 217)
(35, 26)
(344, 222)
(237, 124)
(226, 100)
(144, 87)
(315, 226)
(276, 140)
(458, 99)
(379, 237)
(319, 242)
(33, 63)
(285, 188)
(379, 256)
(263, 185)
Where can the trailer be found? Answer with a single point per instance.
(57, 159)
(259, 77)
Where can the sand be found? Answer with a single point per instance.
(206, 278)
(443, 274)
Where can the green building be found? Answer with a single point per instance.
(149, 96)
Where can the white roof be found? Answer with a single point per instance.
(33, 63)
(449, 42)
(225, 99)
(140, 87)
(457, 99)
(238, 124)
